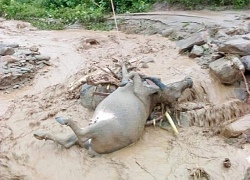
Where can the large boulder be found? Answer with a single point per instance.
(227, 70)
(238, 127)
(238, 46)
(196, 39)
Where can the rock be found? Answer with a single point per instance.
(246, 36)
(197, 51)
(246, 62)
(16, 86)
(91, 41)
(46, 63)
(238, 127)
(227, 70)
(247, 175)
(144, 65)
(236, 31)
(6, 51)
(206, 47)
(9, 59)
(238, 46)
(30, 58)
(147, 60)
(221, 34)
(34, 48)
(42, 57)
(24, 69)
(196, 39)
(217, 55)
(167, 32)
(21, 25)
(12, 45)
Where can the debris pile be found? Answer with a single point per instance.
(18, 65)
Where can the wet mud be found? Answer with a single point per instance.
(157, 155)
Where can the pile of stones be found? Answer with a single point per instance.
(18, 65)
(226, 56)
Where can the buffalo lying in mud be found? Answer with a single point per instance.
(120, 118)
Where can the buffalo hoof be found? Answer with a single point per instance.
(62, 121)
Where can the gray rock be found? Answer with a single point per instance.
(246, 62)
(16, 86)
(12, 45)
(236, 128)
(205, 47)
(236, 31)
(197, 51)
(238, 46)
(241, 94)
(25, 69)
(6, 51)
(196, 39)
(167, 32)
(246, 36)
(42, 57)
(144, 65)
(228, 71)
(34, 48)
(46, 63)
(30, 58)
(221, 34)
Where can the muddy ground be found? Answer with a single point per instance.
(157, 155)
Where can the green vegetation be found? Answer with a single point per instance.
(55, 14)
(89, 12)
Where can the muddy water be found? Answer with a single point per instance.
(157, 155)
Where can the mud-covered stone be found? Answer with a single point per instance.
(6, 51)
(227, 70)
(42, 57)
(238, 46)
(9, 59)
(246, 62)
(238, 127)
(34, 49)
(247, 175)
(221, 34)
(19, 68)
(196, 39)
(236, 31)
(167, 32)
(197, 51)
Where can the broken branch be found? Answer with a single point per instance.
(171, 123)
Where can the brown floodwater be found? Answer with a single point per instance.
(157, 155)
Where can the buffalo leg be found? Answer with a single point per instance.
(65, 142)
(83, 134)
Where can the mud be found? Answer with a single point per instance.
(157, 155)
